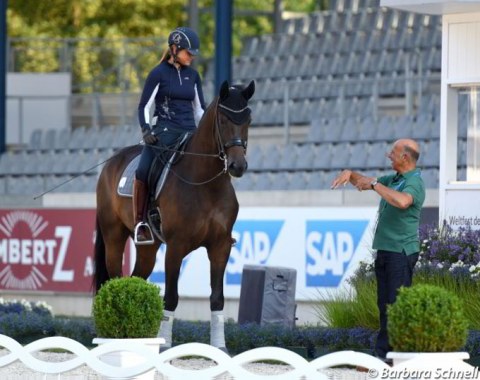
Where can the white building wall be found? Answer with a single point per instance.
(36, 101)
(458, 201)
(463, 55)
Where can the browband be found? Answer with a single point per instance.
(229, 109)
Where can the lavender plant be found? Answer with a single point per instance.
(24, 306)
(455, 250)
(25, 320)
(448, 258)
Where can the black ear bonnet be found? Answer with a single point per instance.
(234, 103)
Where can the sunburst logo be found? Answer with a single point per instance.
(25, 253)
(35, 222)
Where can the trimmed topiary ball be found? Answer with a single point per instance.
(426, 318)
(127, 307)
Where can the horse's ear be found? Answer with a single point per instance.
(224, 91)
(249, 90)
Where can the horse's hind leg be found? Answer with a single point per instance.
(115, 238)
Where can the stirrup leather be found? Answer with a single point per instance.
(144, 242)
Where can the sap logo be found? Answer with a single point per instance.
(255, 239)
(158, 273)
(329, 249)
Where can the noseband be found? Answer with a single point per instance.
(236, 142)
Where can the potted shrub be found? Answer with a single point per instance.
(427, 319)
(128, 308)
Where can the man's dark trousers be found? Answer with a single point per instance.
(392, 270)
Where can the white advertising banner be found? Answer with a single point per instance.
(462, 208)
(323, 244)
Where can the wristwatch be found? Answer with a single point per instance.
(373, 183)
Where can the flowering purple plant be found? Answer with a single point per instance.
(24, 306)
(24, 320)
(454, 250)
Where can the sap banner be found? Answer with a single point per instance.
(324, 245)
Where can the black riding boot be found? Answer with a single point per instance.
(142, 231)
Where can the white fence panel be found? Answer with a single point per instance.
(235, 366)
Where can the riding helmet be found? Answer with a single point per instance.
(185, 38)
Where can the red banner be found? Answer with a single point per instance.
(47, 250)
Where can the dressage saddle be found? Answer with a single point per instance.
(157, 175)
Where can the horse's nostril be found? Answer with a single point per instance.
(236, 170)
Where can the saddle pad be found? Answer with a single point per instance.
(125, 185)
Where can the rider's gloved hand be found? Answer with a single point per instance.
(149, 136)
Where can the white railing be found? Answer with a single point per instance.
(235, 366)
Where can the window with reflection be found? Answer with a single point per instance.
(468, 151)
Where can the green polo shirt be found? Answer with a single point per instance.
(397, 229)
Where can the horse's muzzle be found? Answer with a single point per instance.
(237, 169)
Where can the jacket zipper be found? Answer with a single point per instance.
(179, 77)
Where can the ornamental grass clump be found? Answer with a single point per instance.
(127, 307)
(426, 318)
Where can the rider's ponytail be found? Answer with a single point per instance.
(166, 55)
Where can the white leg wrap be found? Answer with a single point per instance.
(166, 326)
(217, 329)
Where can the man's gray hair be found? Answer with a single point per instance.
(411, 152)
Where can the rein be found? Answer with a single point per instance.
(220, 155)
(220, 146)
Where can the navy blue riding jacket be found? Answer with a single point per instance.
(179, 105)
(177, 95)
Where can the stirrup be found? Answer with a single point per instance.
(145, 242)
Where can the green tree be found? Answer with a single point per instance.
(110, 45)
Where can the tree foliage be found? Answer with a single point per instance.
(94, 18)
(109, 45)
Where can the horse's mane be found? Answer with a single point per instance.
(209, 112)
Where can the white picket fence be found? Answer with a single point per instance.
(301, 368)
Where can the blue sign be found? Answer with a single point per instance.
(255, 240)
(330, 246)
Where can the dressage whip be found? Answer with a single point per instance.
(74, 176)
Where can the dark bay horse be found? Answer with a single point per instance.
(198, 206)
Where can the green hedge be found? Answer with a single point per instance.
(239, 338)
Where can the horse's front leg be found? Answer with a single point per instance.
(145, 260)
(218, 256)
(173, 262)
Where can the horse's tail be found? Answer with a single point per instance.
(100, 274)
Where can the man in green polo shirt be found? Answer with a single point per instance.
(396, 235)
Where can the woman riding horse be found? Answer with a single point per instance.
(197, 205)
(176, 91)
